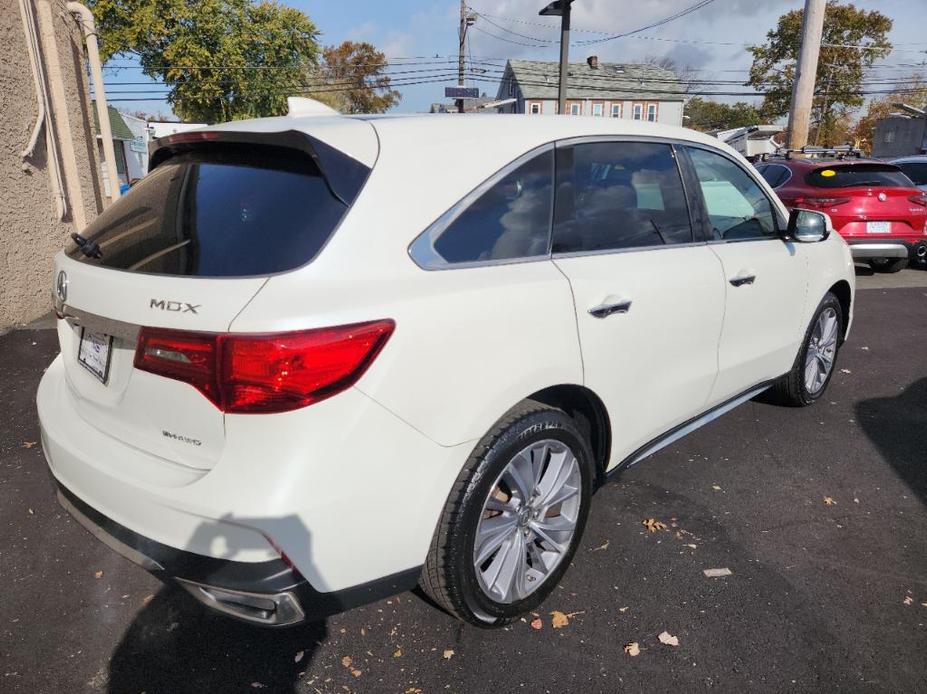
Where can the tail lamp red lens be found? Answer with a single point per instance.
(264, 373)
(919, 199)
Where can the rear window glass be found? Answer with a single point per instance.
(858, 175)
(916, 171)
(775, 174)
(229, 212)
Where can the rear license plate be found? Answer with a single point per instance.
(878, 227)
(94, 353)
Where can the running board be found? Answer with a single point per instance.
(686, 428)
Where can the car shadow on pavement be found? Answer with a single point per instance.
(176, 645)
(898, 427)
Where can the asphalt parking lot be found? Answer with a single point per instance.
(820, 515)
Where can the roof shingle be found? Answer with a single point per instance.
(539, 79)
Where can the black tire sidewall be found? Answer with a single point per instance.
(829, 301)
(523, 432)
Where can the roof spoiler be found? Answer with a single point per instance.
(344, 175)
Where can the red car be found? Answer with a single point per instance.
(877, 209)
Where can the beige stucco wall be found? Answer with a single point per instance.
(30, 234)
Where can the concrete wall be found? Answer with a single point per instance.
(30, 233)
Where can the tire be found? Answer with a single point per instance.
(888, 265)
(451, 577)
(794, 388)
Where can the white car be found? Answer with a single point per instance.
(311, 361)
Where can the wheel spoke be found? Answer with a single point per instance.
(565, 492)
(560, 468)
(491, 534)
(519, 477)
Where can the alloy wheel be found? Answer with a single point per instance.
(821, 352)
(528, 521)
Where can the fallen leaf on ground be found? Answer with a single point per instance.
(829, 501)
(147, 599)
(632, 649)
(622, 609)
(668, 639)
(653, 525)
(346, 661)
(31, 512)
(716, 487)
(600, 547)
(30, 444)
(397, 653)
(98, 574)
(299, 656)
(909, 600)
(924, 604)
(537, 624)
(692, 546)
(717, 573)
(258, 685)
(558, 619)
(845, 371)
(448, 654)
(356, 673)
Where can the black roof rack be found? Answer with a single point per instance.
(811, 152)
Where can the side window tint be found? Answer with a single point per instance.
(511, 219)
(613, 195)
(737, 207)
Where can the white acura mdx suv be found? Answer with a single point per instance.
(311, 361)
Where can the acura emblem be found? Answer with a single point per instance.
(61, 286)
(882, 197)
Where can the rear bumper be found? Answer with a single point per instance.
(328, 487)
(269, 593)
(863, 250)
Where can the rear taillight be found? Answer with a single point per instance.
(919, 199)
(265, 373)
(821, 202)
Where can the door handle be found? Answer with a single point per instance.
(608, 309)
(741, 280)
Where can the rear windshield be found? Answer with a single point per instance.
(231, 212)
(858, 175)
(916, 171)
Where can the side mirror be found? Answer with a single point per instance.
(806, 226)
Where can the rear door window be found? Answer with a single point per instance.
(228, 211)
(615, 195)
(775, 174)
(858, 175)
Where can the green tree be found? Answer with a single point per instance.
(223, 59)
(707, 116)
(354, 79)
(853, 40)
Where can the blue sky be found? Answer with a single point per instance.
(710, 39)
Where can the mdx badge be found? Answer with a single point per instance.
(175, 306)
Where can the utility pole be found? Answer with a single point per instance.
(562, 9)
(806, 73)
(465, 22)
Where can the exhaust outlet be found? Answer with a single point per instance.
(921, 251)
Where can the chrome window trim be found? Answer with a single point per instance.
(631, 249)
(422, 250)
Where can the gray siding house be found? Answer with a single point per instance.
(607, 90)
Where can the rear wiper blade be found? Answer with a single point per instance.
(89, 248)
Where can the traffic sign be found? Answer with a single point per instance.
(461, 93)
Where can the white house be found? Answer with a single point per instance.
(607, 90)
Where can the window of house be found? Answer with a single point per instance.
(575, 109)
(535, 108)
(637, 112)
(511, 87)
(737, 207)
(509, 219)
(598, 109)
(652, 113)
(613, 195)
(616, 110)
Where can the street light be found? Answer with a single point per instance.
(562, 9)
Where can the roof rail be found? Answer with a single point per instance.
(814, 152)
